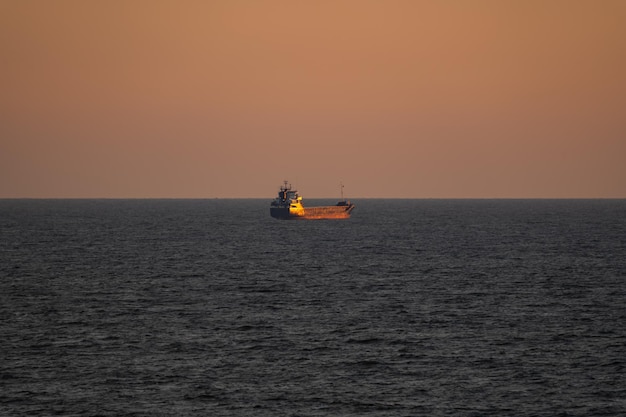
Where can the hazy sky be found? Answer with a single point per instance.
(415, 98)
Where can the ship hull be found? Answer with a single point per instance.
(313, 213)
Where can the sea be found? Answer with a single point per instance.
(210, 307)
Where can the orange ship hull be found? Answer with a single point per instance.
(313, 213)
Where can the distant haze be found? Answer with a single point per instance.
(410, 99)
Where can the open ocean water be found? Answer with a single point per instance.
(410, 308)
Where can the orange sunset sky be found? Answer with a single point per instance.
(410, 99)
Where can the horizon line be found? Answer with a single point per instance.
(313, 198)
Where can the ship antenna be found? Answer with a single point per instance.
(340, 183)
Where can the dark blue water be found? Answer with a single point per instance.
(410, 308)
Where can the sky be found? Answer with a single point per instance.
(392, 98)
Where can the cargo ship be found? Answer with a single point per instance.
(288, 206)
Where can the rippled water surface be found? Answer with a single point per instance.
(410, 308)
